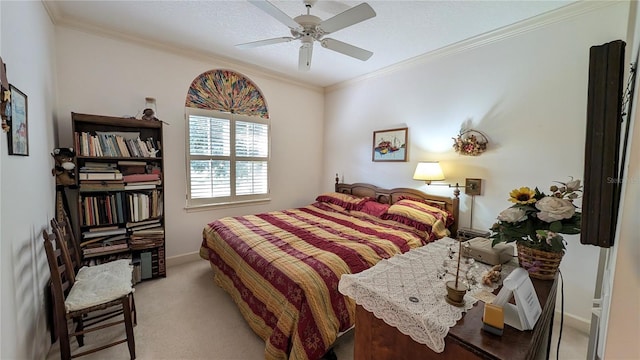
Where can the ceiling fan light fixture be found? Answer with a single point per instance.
(305, 53)
(309, 28)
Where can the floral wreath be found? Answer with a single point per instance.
(470, 142)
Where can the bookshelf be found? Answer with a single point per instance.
(120, 198)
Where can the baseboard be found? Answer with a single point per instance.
(575, 322)
(182, 259)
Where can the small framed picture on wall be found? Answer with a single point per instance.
(19, 132)
(390, 145)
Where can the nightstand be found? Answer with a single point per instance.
(465, 234)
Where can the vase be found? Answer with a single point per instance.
(455, 295)
(540, 264)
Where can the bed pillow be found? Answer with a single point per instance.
(374, 208)
(441, 206)
(419, 215)
(347, 201)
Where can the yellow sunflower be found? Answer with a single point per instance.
(524, 195)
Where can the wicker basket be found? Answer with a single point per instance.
(540, 264)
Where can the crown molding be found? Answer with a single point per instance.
(528, 25)
(73, 23)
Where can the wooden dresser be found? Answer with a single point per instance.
(375, 340)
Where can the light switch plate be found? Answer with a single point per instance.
(473, 186)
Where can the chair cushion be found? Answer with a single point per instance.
(101, 288)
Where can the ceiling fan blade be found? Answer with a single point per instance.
(349, 17)
(304, 60)
(347, 49)
(254, 44)
(278, 14)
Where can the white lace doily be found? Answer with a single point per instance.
(408, 290)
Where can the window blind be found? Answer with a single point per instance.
(228, 158)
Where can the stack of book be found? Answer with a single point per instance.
(96, 176)
(128, 167)
(104, 240)
(142, 225)
(141, 181)
(146, 236)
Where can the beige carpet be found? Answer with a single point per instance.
(186, 316)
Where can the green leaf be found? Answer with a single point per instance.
(556, 226)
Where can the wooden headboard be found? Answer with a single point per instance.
(390, 196)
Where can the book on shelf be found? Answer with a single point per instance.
(104, 228)
(133, 178)
(106, 243)
(86, 169)
(151, 232)
(103, 239)
(108, 249)
(101, 185)
(102, 182)
(150, 182)
(97, 260)
(115, 144)
(100, 176)
(96, 165)
(132, 163)
(93, 234)
(102, 209)
(142, 186)
(132, 224)
(145, 243)
(143, 227)
(133, 169)
(145, 265)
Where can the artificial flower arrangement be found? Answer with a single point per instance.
(536, 220)
(470, 142)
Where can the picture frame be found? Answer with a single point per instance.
(18, 135)
(390, 145)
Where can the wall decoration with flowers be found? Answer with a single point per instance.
(470, 142)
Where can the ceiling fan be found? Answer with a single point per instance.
(309, 28)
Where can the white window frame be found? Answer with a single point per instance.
(232, 199)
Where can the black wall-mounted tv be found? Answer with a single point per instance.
(602, 181)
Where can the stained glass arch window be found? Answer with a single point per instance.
(228, 150)
(226, 91)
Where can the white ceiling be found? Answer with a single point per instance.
(400, 31)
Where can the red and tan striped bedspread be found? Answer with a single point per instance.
(282, 269)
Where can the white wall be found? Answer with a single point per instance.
(105, 75)
(27, 186)
(623, 329)
(524, 86)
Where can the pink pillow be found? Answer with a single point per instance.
(374, 208)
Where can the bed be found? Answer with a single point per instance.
(282, 268)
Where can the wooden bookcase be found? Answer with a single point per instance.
(120, 198)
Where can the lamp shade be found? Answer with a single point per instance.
(428, 171)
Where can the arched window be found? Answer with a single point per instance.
(229, 140)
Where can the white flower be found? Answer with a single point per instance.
(573, 185)
(512, 215)
(554, 209)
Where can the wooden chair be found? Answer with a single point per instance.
(64, 230)
(72, 253)
(88, 302)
